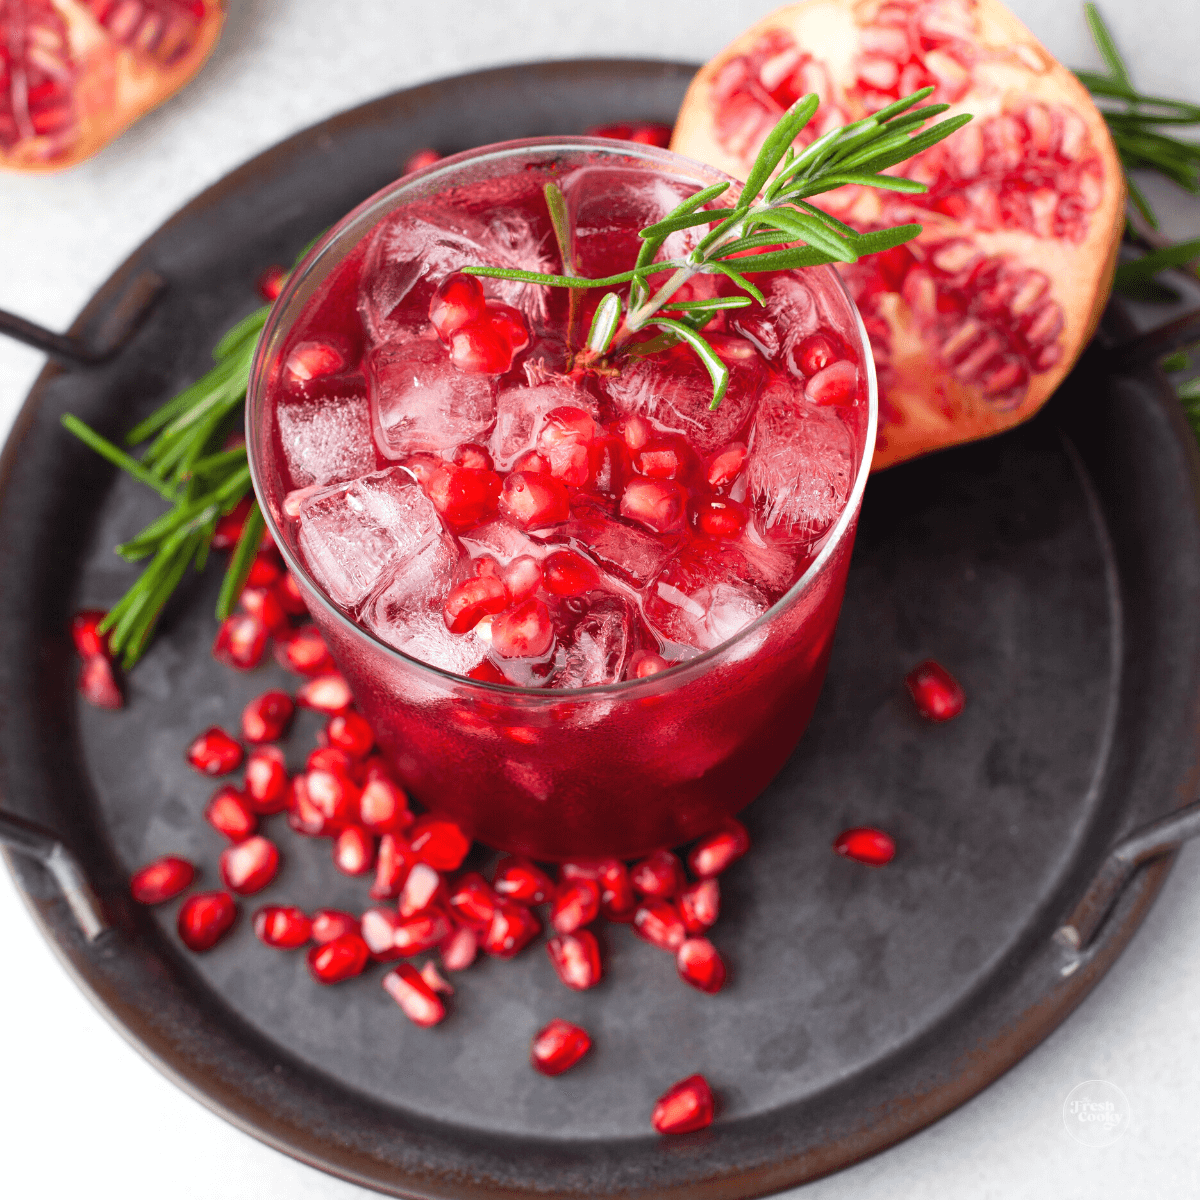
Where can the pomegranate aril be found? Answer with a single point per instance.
(350, 732)
(576, 903)
(392, 866)
(699, 964)
(416, 934)
(230, 815)
(472, 900)
(334, 796)
(566, 573)
(523, 632)
(378, 930)
(440, 843)
(660, 924)
(433, 977)
(262, 604)
(291, 600)
(458, 300)
(241, 641)
(383, 806)
(282, 926)
(471, 601)
(719, 518)
(816, 352)
(716, 851)
(558, 1046)
(266, 569)
(249, 866)
(417, 1000)
(214, 752)
(330, 923)
(89, 642)
(421, 889)
(480, 347)
(509, 324)
(270, 283)
(645, 133)
(97, 683)
(336, 762)
(326, 693)
(836, 384)
(726, 466)
(866, 845)
(474, 457)
(229, 527)
(266, 784)
(700, 905)
(532, 501)
(266, 717)
(205, 918)
(419, 160)
(617, 898)
(521, 880)
(576, 959)
(659, 876)
(304, 651)
(513, 927)
(302, 814)
(936, 693)
(645, 664)
(313, 360)
(684, 1107)
(342, 958)
(161, 880)
(353, 851)
(659, 504)
(458, 951)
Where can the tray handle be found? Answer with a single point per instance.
(1149, 842)
(33, 841)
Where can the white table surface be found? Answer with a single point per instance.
(81, 1113)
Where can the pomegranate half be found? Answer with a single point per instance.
(976, 322)
(76, 73)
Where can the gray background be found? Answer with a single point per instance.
(80, 1112)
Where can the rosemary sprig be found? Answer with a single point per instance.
(769, 226)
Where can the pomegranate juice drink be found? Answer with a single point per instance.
(587, 613)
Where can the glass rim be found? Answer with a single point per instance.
(379, 205)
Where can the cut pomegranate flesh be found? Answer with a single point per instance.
(866, 845)
(700, 964)
(205, 918)
(214, 752)
(417, 1000)
(229, 814)
(660, 876)
(521, 880)
(576, 959)
(340, 959)
(161, 880)
(281, 926)
(266, 717)
(936, 693)
(558, 1046)
(684, 1107)
(249, 866)
(976, 322)
(512, 928)
(712, 854)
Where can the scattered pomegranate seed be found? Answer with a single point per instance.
(519, 879)
(935, 691)
(89, 642)
(523, 632)
(419, 161)
(330, 923)
(205, 918)
(249, 866)
(271, 281)
(353, 851)
(304, 651)
(727, 466)
(161, 880)
(214, 752)
(576, 903)
(433, 977)
(422, 887)
(440, 843)
(302, 815)
(659, 504)
(576, 959)
(342, 958)
(659, 923)
(229, 527)
(713, 853)
(700, 964)
(291, 599)
(459, 949)
(558, 1046)
(472, 900)
(266, 717)
(326, 693)
(392, 865)
(534, 501)
(417, 1000)
(97, 683)
(424, 931)
(335, 797)
(471, 601)
(660, 876)
(684, 1107)
(513, 927)
(266, 786)
(569, 574)
(266, 569)
(383, 806)
(700, 905)
(458, 300)
(866, 845)
(617, 899)
(230, 815)
(283, 927)
(241, 641)
(350, 732)
(336, 762)
(262, 604)
(379, 927)
(312, 360)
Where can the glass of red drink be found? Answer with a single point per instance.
(586, 615)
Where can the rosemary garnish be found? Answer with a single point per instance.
(770, 227)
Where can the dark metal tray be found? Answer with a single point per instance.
(1055, 570)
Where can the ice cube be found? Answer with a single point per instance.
(632, 554)
(421, 401)
(351, 535)
(801, 464)
(502, 540)
(327, 439)
(594, 647)
(608, 205)
(519, 413)
(675, 391)
(696, 602)
(409, 256)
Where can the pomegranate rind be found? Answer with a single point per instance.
(115, 86)
(924, 406)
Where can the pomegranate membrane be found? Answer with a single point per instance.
(585, 613)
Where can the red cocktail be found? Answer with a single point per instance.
(586, 614)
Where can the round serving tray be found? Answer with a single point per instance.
(1055, 570)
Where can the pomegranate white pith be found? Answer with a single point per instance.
(975, 323)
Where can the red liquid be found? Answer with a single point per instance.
(573, 528)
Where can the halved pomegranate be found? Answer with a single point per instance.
(975, 323)
(76, 73)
